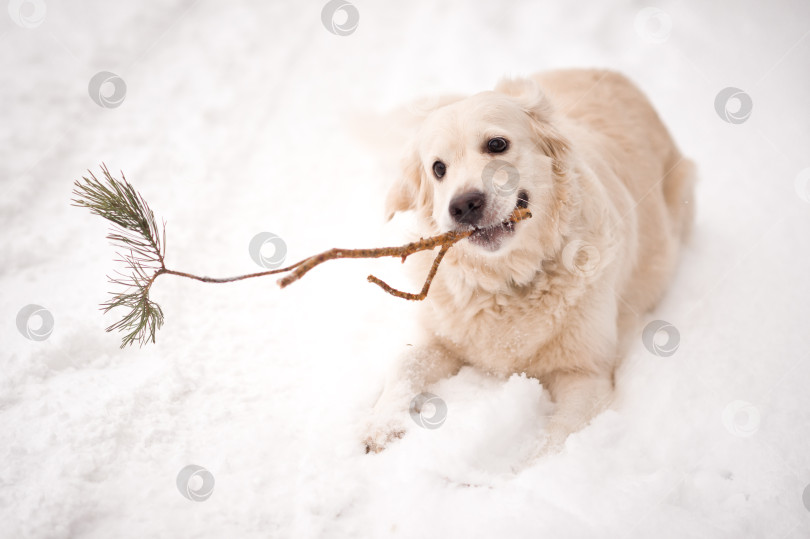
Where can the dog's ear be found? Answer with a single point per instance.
(528, 94)
(403, 194)
(410, 191)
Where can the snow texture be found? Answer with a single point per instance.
(242, 117)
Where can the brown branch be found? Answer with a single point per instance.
(446, 240)
(302, 267)
(231, 279)
(143, 244)
(407, 295)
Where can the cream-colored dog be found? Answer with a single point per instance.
(558, 295)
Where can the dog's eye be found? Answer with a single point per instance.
(439, 169)
(497, 145)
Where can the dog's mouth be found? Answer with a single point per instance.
(491, 237)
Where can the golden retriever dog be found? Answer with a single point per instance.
(557, 296)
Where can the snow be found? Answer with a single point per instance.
(243, 117)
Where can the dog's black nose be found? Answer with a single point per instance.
(468, 208)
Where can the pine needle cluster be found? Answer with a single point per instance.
(141, 247)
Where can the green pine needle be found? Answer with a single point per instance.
(141, 247)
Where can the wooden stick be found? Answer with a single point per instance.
(445, 240)
(421, 295)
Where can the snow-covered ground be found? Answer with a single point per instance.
(241, 117)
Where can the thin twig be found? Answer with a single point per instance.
(447, 239)
(429, 279)
(232, 279)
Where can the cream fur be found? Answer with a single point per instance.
(611, 198)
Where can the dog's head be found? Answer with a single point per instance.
(477, 159)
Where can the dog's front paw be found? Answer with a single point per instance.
(385, 425)
(379, 440)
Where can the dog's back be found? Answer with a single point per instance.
(645, 158)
